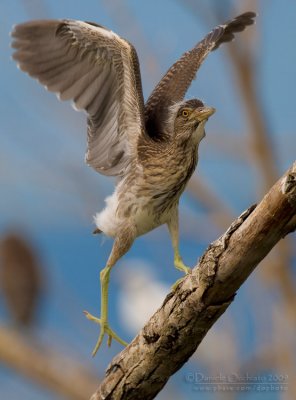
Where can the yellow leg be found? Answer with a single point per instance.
(179, 262)
(173, 226)
(121, 245)
(103, 321)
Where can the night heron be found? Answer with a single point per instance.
(151, 148)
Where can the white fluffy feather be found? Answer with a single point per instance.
(106, 220)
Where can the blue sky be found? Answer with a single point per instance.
(166, 29)
(47, 191)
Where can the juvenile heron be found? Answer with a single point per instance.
(151, 148)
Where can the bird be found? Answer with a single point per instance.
(152, 147)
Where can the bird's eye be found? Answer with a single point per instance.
(185, 113)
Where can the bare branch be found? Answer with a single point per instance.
(45, 366)
(265, 157)
(174, 332)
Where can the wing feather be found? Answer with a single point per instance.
(99, 72)
(175, 83)
(69, 91)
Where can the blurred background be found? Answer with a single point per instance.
(49, 260)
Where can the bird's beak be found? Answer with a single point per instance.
(202, 113)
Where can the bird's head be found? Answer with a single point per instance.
(188, 119)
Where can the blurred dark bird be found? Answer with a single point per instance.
(152, 149)
(20, 279)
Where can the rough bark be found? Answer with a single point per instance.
(174, 332)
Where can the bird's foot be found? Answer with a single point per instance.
(181, 267)
(105, 330)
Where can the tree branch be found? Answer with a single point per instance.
(174, 332)
(42, 364)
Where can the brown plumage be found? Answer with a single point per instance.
(152, 149)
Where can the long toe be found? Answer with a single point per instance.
(99, 342)
(181, 266)
(174, 286)
(105, 330)
(113, 335)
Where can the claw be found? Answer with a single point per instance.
(105, 329)
(181, 266)
(174, 286)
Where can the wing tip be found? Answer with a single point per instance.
(235, 25)
(13, 29)
(73, 105)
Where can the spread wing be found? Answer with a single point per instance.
(175, 83)
(96, 69)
